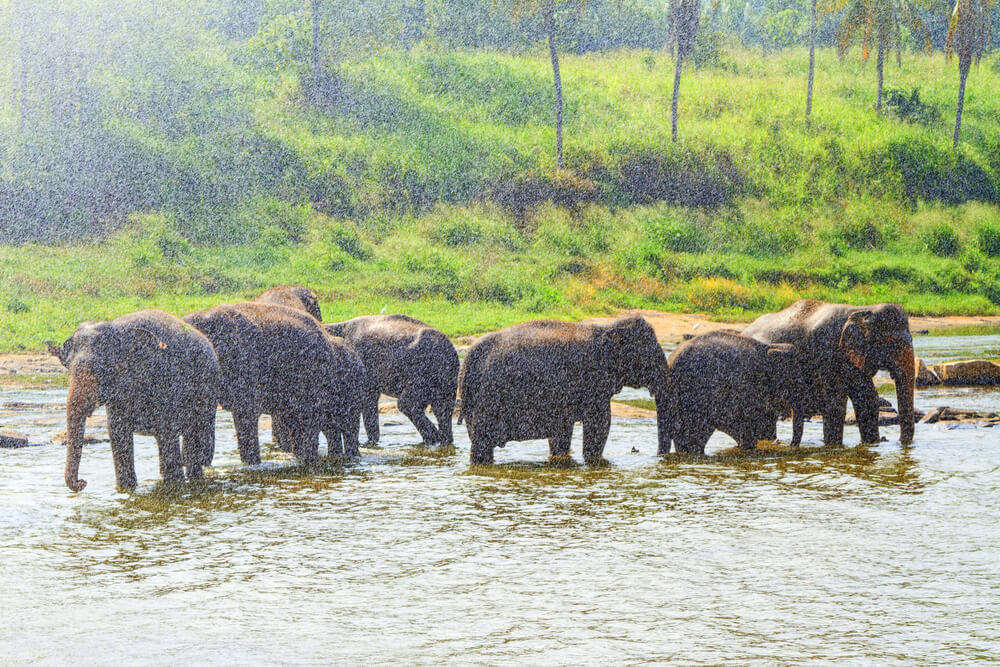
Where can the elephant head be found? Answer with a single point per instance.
(96, 355)
(879, 339)
(640, 362)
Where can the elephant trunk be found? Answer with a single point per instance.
(903, 375)
(80, 404)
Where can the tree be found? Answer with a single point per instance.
(880, 20)
(684, 18)
(812, 59)
(547, 8)
(968, 36)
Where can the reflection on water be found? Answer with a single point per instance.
(850, 554)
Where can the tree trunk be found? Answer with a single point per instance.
(880, 67)
(550, 29)
(812, 60)
(314, 86)
(22, 64)
(677, 90)
(964, 62)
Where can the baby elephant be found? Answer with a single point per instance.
(723, 381)
(410, 361)
(157, 376)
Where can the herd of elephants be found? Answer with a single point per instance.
(164, 376)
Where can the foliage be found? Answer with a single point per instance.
(942, 240)
(910, 107)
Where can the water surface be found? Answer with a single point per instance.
(855, 554)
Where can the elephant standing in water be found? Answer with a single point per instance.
(279, 361)
(157, 376)
(535, 380)
(727, 382)
(410, 361)
(300, 298)
(842, 348)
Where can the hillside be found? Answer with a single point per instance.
(430, 187)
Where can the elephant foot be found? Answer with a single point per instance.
(597, 461)
(561, 461)
(372, 444)
(481, 454)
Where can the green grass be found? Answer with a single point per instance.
(432, 191)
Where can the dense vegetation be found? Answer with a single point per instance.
(195, 168)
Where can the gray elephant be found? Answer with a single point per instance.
(410, 361)
(300, 298)
(279, 361)
(842, 348)
(535, 380)
(157, 376)
(726, 382)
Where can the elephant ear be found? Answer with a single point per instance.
(60, 353)
(856, 336)
(146, 339)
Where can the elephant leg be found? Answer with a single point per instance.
(596, 427)
(833, 420)
(305, 441)
(413, 408)
(247, 437)
(334, 442)
(559, 444)
(171, 463)
(280, 433)
(481, 452)
(798, 420)
(205, 442)
(352, 434)
(369, 412)
(443, 409)
(864, 397)
(195, 444)
(767, 428)
(122, 451)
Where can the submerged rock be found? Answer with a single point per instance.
(924, 376)
(12, 439)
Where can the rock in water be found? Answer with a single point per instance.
(968, 373)
(924, 376)
(12, 439)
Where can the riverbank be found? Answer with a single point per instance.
(37, 369)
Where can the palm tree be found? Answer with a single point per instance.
(547, 8)
(880, 20)
(684, 18)
(812, 59)
(968, 36)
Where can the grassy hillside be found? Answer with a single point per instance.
(431, 189)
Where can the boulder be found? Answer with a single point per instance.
(12, 439)
(924, 376)
(968, 373)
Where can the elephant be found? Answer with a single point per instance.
(842, 348)
(727, 382)
(300, 298)
(279, 361)
(410, 361)
(535, 380)
(157, 376)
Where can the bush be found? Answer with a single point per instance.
(683, 176)
(988, 240)
(523, 193)
(462, 227)
(676, 235)
(152, 238)
(942, 240)
(910, 108)
(854, 234)
(931, 173)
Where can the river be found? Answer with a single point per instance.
(885, 553)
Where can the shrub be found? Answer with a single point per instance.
(688, 177)
(714, 294)
(910, 108)
(854, 234)
(988, 240)
(523, 193)
(942, 240)
(152, 238)
(676, 235)
(931, 173)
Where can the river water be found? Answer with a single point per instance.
(884, 554)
